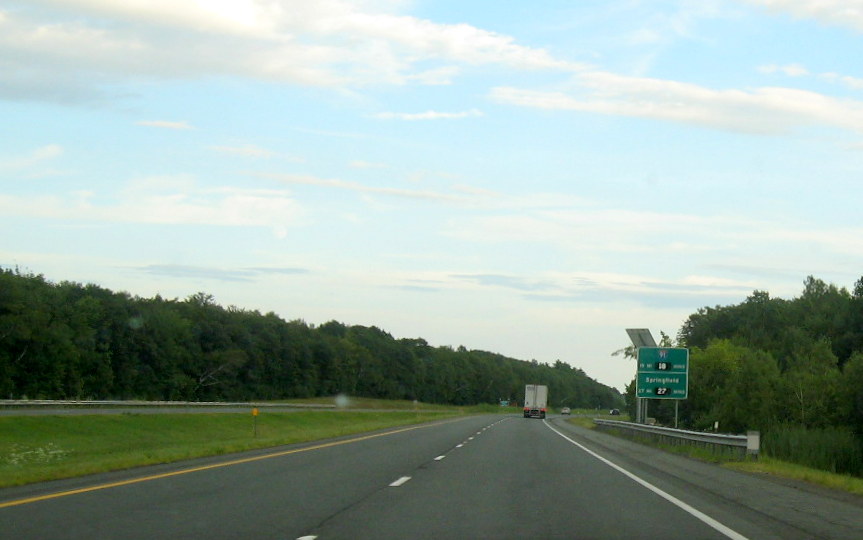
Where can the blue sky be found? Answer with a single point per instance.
(527, 178)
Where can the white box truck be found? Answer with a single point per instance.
(535, 401)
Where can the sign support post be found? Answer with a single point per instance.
(640, 337)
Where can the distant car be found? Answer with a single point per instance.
(614, 412)
(564, 410)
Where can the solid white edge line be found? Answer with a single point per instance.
(400, 481)
(730, 533)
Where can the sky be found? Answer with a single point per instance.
(525, 178)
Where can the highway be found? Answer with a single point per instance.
(490, 476)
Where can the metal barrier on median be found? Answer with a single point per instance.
(61, 403)
(742, 445)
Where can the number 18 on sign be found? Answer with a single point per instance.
(663, 373)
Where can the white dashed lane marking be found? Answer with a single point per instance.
(400, 481)
(404, 479)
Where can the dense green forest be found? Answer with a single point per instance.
(69, 341)
(791, 367)
(769, 360)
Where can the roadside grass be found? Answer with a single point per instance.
(584, 417)
(775, 467)
(764, 465)
(582, 421)
(831, 449)
(39, 448)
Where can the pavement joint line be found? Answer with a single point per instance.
(109, 485)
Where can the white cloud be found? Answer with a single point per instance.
(216, 16)
(768, 110)
(574, 288)
(848, 13)
(164, 124)
(461, 42)
(661, 26)
(47, 152)
(254, 151)
(67, 50)
(855, 83)
(429, 115)
(35, 157)
(171, 200)
(792, 70)
(178, 200)
(436, 77)
(597, 230)
(464, 196)
(797, 70)
(362, 188)
(146, 185)
(679, 245)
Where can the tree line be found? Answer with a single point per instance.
(72, 341)
(769, 362)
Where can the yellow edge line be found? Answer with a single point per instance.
(98, 487)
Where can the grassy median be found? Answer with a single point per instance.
(38, 448)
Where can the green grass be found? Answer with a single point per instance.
(835, 450)
(775, 467)
(585, 419)
(38, 448)
(582, 421)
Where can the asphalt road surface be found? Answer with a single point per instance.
(488, 476)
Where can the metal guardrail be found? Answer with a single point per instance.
(40, 403)
(745, 445)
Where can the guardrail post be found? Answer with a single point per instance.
(753, 443)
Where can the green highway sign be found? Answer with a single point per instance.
(660, 386)
(663, 373)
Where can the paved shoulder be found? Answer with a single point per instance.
(758, 506)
